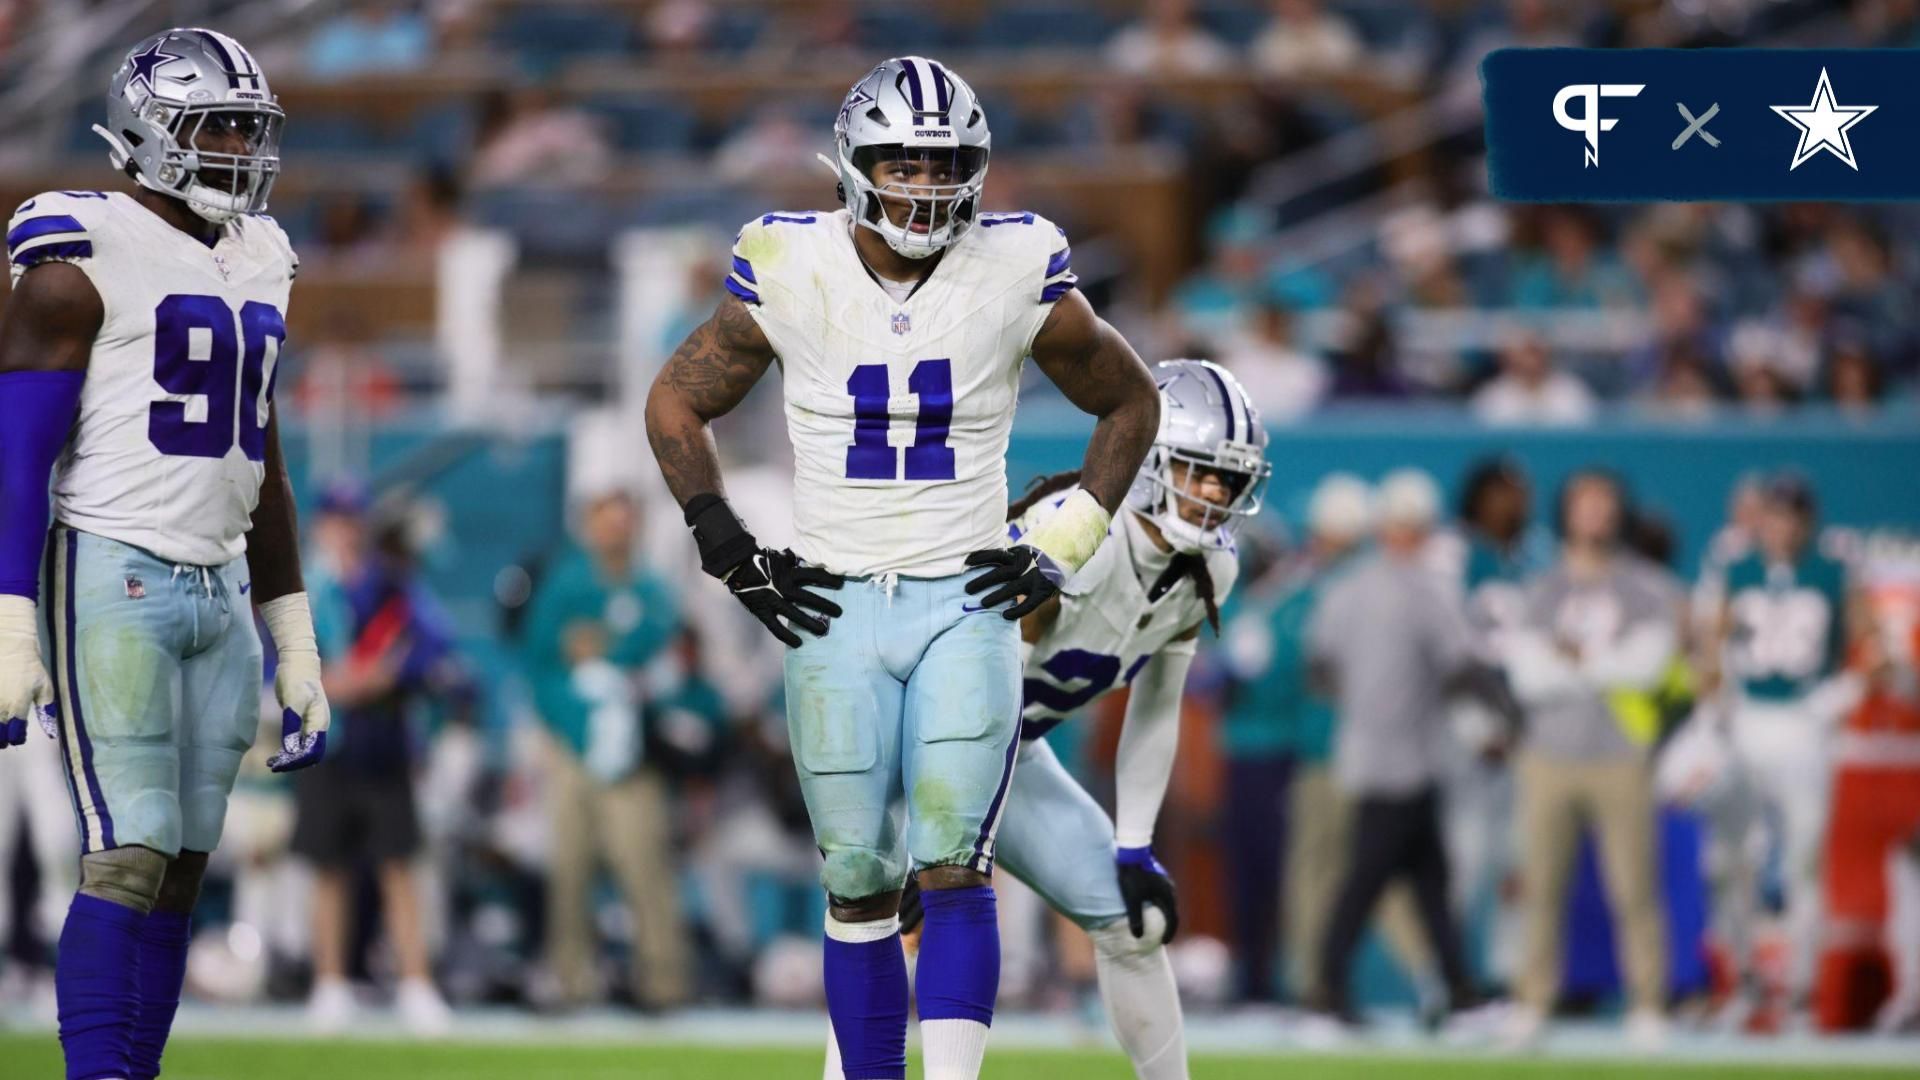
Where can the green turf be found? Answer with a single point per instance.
(190, 1058)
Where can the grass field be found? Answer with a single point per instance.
(195, 1058)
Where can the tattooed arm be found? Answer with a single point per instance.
(1098, 371)
(706, 377)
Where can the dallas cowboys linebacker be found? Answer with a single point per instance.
(137, 362)
(1130, 617)
(900, 323)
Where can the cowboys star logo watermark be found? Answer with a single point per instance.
(1823, 125)
(1589, 122)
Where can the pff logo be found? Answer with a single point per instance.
(1589, 122)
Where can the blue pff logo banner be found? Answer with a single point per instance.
(1618, 125)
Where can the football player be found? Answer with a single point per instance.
(900, 324)
(137, 359)
(1131, 617)
(1782, 643)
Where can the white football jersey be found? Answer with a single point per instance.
(169, 449)
(899, 411)
(1108, 628)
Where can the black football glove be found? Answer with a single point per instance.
(1144, 881)
(773, 585)
(1019, 571)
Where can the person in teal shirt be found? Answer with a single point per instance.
(1784, 632)
(1275, 727)
(595, 621)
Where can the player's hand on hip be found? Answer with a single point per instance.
(25, 689)
(777, 586)
(1021, 573)
(304, 713)
(774, 585)
(1143, 882)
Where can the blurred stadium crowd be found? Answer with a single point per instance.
(1292, 188)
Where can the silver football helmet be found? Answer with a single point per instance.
(1207, 422)
(170, 90)
(917, 113)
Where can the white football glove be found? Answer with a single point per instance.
(296, 682)
(25, 689)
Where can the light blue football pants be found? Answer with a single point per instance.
(904, 721)
(157, 672)
(1059, 841)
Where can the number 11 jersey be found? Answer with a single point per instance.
(899, 410)
(168, 452)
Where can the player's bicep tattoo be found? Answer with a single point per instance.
(717, 365)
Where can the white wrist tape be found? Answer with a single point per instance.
(1070, 535)
(289, 619)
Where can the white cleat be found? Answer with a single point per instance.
(1523, 1030)
(1477, 1025)
(332, 1007)
(423, 1012)
(1646, 1031)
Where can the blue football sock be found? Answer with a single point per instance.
(959, 955)
(163, 969)
(97, 984)
(867, 998)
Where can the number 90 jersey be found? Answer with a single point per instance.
(899, 410)
(1788, 624)
(168, 451)
(1109, 626)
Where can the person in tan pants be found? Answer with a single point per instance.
(625, 825)
(1316, 862)
(595, 619)
(1597, 635)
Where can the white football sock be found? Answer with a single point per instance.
(1142, 1001)
(953, 1049)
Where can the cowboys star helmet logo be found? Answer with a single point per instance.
(856, 97)
(148, 62)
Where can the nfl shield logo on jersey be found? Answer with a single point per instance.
(901, 323)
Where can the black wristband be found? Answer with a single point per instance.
(724, 542)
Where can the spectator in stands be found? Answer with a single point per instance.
(370, 35)
(527, 137)
(1600, 632)
(1304, 40)
(1569, 268)
(1368, 364)
(1686, 386)
(1867, 294)
(678, 32)
(390, 657)
(1529, 390)
(1852, 375)
(596, 619)
(1284, 381)
(1169, 42)
(1761, 377)
(1391, 644)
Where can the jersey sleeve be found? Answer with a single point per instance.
(52, 227)
(1059, 278)
(1041, 261)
